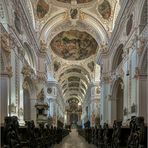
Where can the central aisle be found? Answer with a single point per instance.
(73, 140)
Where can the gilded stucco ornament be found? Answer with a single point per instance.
(5, 42)
(27, 71)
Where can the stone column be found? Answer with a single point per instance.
(5, 97)
(5, 75)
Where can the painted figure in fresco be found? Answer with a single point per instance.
(105, 9)
(74, 45)
(42, 8)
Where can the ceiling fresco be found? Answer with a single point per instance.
(42, 8)
(74, 45)
(105, 9)
(78, 1)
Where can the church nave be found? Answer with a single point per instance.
(73, 140)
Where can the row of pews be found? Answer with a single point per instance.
(29, 136)
(134, 136)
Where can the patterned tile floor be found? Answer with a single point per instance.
(73, 140)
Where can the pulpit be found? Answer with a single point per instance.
(41, 108)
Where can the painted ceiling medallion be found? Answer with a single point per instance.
(42, 8)
(105, 9)
(74, 45)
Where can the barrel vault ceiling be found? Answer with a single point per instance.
(74, 31)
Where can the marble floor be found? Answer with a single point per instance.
(73, 140)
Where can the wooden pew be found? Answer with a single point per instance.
(29, 136)
(134, 136)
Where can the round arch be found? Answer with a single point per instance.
(117, 99)
(75, 67)
(91, 25)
